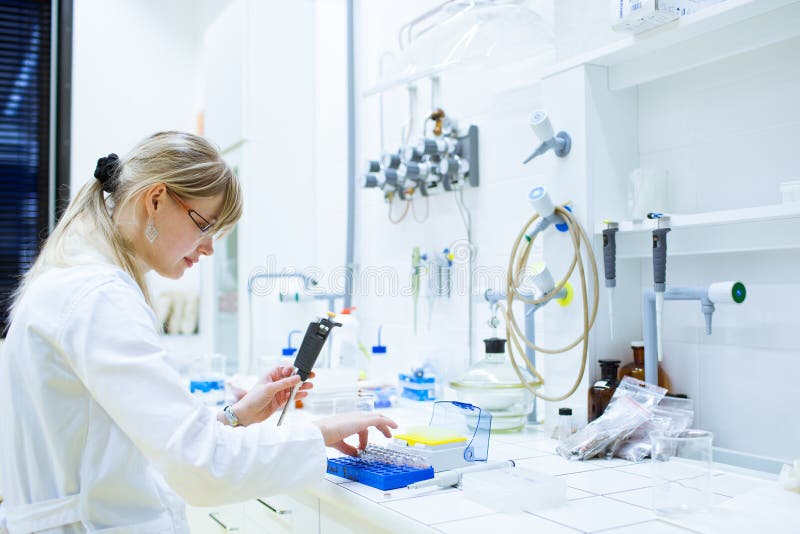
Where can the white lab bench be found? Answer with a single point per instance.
(603, 495)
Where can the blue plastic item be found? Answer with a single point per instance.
(379, 349)
(417, 386)
(289, 350)
(564, 227)
(206, 386)
(383, 397)
(378, 475)
(209, 390)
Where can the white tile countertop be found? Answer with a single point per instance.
(610, 496)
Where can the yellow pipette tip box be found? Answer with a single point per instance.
(431, 436)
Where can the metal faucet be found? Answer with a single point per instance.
(493, 297)
(719, 292)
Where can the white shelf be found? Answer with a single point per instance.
(719, 31)
(775, 227)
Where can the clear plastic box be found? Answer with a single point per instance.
(338, 403)
(514, 490)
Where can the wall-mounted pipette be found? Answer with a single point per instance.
(610, 263)
(316, 335)
(660, 275)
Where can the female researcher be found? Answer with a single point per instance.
(97, 431)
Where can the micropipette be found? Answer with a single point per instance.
(660, 275)
(610, 262)
(316, 335)
(453, 477)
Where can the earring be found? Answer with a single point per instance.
(151, 232)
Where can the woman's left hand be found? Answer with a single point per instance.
(269, 395)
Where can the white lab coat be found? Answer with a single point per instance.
(97, 430)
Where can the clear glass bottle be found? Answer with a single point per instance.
(564, 428)
(601, 392)
(635, 368)
(207, 379)
(493, 385)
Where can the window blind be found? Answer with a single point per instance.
(25, 61)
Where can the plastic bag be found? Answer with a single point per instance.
(631, 406)
(670, 416)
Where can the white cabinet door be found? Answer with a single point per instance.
(283, 514)
(333, 521)
(215, 519)
(224, 56)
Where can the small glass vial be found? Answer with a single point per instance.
(564, 427)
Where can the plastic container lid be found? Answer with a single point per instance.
(495, 345)
(637, 344)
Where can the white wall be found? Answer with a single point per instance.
(725, 134)
(499, 105)
(283, 96)
(136, 70)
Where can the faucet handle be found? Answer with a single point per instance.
(730, 292)
(540, 124)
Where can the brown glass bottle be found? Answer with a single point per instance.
(601, 392)
(635, 369)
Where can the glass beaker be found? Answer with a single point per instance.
(647, 192)
(681, 469)
(354, 403)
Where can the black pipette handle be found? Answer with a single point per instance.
(610, 255)
(660, 258)
(316, 335)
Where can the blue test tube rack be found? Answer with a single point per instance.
(376, 474)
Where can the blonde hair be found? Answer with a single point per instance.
(187, 164)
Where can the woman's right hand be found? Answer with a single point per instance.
(338, 427)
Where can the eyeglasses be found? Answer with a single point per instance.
(198, 219)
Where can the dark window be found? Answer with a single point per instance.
(26, 132)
